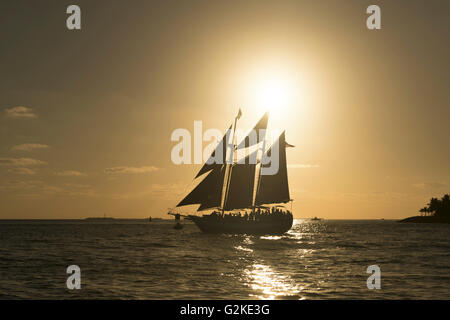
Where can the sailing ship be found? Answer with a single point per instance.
(230, 185)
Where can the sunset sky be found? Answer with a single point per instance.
(86, 116)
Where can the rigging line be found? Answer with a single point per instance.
(259, 173)
(227, 177)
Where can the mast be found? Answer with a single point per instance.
(245, 143)
(228, 166)
(258, 175)
(258, 168)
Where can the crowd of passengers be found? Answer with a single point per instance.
(257, 215)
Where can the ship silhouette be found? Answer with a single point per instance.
(232, 186)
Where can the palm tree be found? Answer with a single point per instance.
(423, 211)
(434, 205)
(445, 205)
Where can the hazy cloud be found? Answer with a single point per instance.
(302, 166)
(168, 188)
(430, 185)
(70, 173)
(74, 190)
(19, 112)
(67, 190)
(38, 188)
(23, 186)
(30, 147)
(20, 162)
(133, 170)
(25, 171)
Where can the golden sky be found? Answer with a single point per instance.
(86, 116)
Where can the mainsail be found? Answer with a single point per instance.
(274, 188)
(240, 192)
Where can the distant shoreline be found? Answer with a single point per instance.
(87, 219)
(427, 219)
(166, 219)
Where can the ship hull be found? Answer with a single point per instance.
(214, 225)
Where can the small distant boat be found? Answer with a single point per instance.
(178, 226)
(316, 219)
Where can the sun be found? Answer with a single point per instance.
(277, 88)
(274, 92)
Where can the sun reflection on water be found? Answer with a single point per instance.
(270, 237)
(243, 248)
(266, 281)
(270, 285)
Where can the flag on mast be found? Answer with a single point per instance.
(239, 114)
(289, 145)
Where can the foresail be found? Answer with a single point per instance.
(208, 192)
(249, 141)
(214, 195)
(221, 148)
(274, 188)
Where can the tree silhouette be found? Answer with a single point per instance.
(438, 207)
(423, 211)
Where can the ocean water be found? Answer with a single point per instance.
(132, 259)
